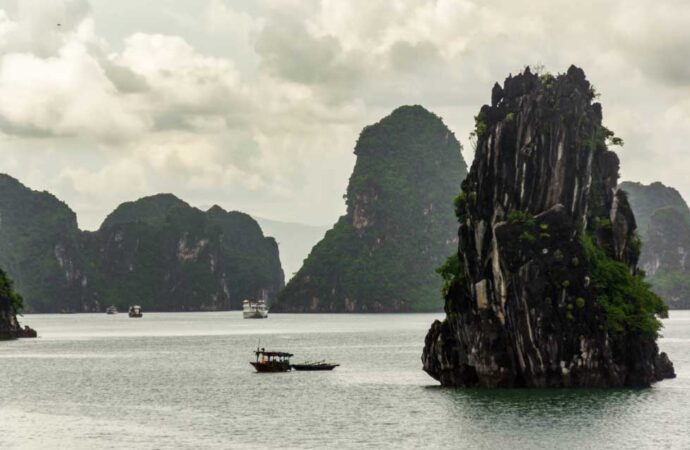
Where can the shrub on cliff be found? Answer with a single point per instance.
(631, 306)
(9, 295)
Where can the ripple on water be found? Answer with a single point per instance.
(183, 381)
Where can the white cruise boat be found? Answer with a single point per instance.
(254, 309)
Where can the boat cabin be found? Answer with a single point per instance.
(267, 361)
(264, 356)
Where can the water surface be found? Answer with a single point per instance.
(183, 381)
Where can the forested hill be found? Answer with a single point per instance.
(158, 252)
(399, 226)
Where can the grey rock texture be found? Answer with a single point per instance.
(541, 222)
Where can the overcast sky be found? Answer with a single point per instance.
(257, 105)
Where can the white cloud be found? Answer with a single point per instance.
(257, 105)
(119, 175)
(66, 94)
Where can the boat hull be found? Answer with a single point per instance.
(314, 367)
(271, 367)
(255, 314)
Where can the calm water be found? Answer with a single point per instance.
(183, 381)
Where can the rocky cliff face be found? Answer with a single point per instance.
(40, 248)
(544, 290)
(381, 256)
(158, 252)
(165, 255)
(664, 219)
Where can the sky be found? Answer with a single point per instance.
(257, 105)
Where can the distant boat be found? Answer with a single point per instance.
(271, 361)
(314, 366)
(135, 311)
(110, 310)
(252, 309)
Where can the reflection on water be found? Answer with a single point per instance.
(183, 381)
(566, 419)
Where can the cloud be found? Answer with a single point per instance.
(181, 82)
(42, 27)
(257, 105)
(657, 39)
(63, 95)
(405, 56)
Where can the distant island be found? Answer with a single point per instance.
(663, 220)
(158, 252)
(399, 227)
(544, 290)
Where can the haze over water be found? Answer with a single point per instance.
(184, 381)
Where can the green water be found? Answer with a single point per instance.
(171, 381)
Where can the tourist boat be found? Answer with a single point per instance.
(110, 310)
(252, 309)
(271, 361)
(135, 311)
(313, 366)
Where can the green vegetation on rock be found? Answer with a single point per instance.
(8, 295)
(631, 306)
(664, 221)
(11, 304)
(399, 227)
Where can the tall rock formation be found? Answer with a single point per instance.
(544, 290)
(158, 252)
(399, 227)
(664, 220)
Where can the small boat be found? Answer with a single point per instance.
(314, 366)
(135, 311)
(271, 361)
(252, 309)
(110, 310)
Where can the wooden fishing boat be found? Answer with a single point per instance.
(271, 361)
(314, 366)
